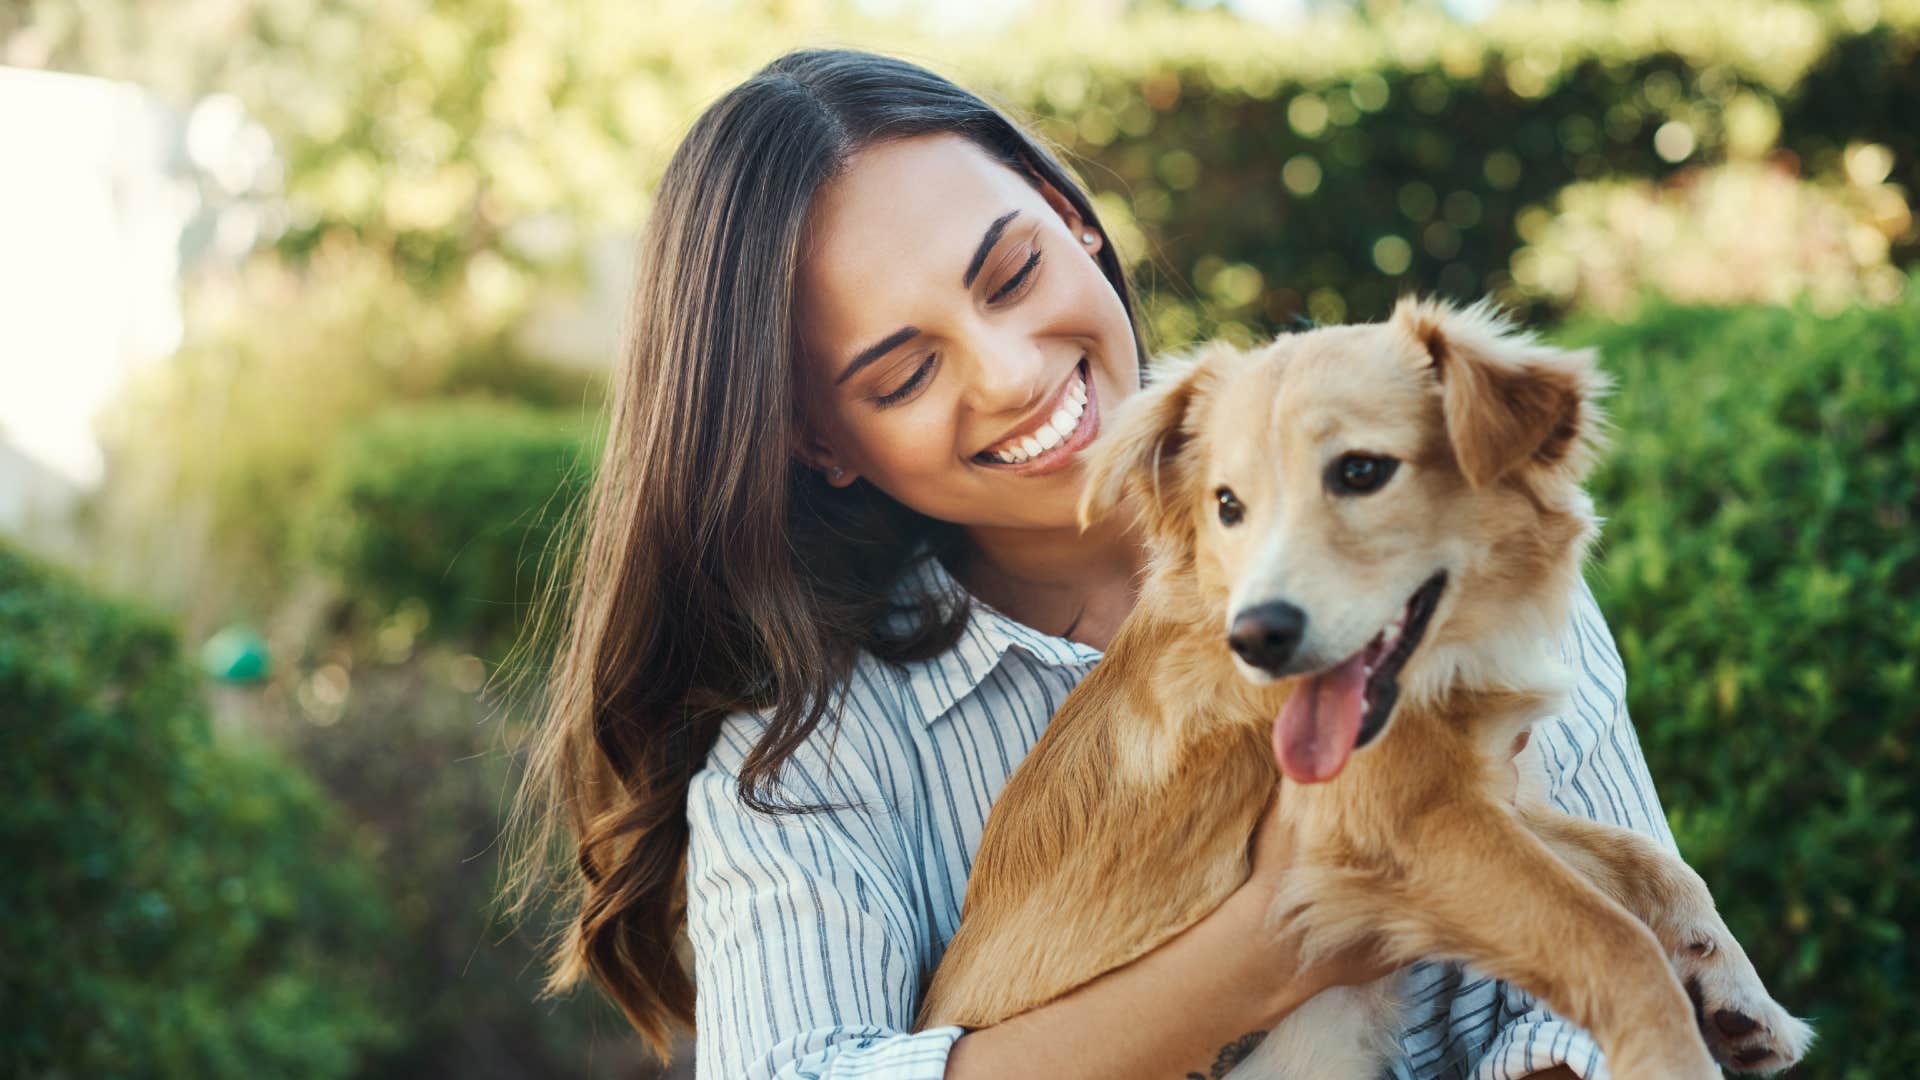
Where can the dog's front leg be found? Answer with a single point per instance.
(1473, 883)
(1744, 1027)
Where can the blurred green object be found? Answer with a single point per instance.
(458, 506)
(1760, 567)
(173, 904)
(236, 654)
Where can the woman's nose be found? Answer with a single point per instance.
(1008, 373)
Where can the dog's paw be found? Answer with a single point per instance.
(1746, 1030)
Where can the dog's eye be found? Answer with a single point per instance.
(1230, 509)
(1360, 474)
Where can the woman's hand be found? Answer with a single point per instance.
(1273, 852)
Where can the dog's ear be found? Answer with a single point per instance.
(1507, 398)
(1141, 450)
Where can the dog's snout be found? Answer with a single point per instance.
(1266, 636)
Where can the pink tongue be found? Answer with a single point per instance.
(1316, 729)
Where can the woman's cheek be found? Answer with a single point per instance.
(919, 450)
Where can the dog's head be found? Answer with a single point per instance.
(1381, 511)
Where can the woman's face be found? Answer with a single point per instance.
(960, 344)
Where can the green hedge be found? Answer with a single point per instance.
(1760, 566)
(453, 505)
(172, 905)
(1359, 161)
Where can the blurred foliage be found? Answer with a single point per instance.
(1761, 567)
(173, 904)
(225, 441)
(1697, 237)
(398, 729)
(430, 505)
(1323, 165)
(1270, 175)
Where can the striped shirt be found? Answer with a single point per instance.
(814, 935)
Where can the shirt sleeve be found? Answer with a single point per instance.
(807, 945)
(1467, 1024)
(1596, 771)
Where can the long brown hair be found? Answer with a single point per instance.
(713, 573)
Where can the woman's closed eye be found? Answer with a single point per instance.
(1017, 285)
(920, 375)
(1020, 278)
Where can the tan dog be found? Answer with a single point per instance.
(1350, 526)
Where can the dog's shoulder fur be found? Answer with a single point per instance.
(1159, 802)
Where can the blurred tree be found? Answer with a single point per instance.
(496, 136)
(174, 904)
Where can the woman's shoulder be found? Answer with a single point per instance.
(908, 729)
(863, 733)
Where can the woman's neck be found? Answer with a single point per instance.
(1061, 581)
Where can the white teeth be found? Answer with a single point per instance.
(1055, 430)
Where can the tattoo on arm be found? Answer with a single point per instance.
(1231, 1055)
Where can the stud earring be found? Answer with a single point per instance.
(838, 472)
(1089, 237)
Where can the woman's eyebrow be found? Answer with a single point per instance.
(877, 350)
(987, 241)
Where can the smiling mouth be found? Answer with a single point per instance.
(1335, 711)
(1058, 435)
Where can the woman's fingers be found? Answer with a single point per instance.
(1513, 763)
(1272, 845)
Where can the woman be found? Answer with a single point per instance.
(831, 589)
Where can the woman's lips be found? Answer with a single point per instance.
(1061, 455)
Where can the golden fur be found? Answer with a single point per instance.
(1129, 821)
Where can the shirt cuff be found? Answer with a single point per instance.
(892, 1056)
(1538, 1040)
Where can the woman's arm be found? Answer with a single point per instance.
(1196, 1005)
(807, 936)
(809, 942)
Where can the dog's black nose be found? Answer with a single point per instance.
(1266, 636)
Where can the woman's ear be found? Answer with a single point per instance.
(1507, 398)
(811, 451)
(1146, 449)
(1085, 235)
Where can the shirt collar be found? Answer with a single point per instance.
(940, 682)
